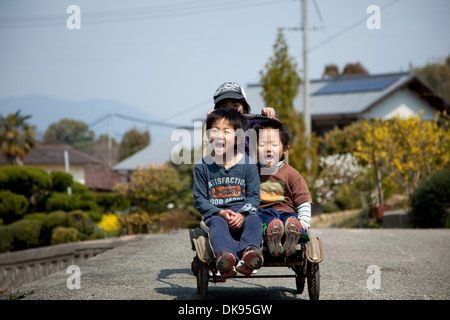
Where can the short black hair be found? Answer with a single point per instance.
(245, 105)
(285, 136)
(236, 119)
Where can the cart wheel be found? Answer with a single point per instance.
(313, 276)
(299, 282)
(202, 280)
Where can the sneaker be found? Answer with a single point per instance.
(225, 264)
(293, 231)
(274, 232)
(251, 259)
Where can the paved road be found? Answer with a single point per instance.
(413, 264)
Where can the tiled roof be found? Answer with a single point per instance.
(349, 94)
(54, 154)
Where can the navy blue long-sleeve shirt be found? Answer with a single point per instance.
(217, 188)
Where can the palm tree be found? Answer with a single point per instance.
(16, 137)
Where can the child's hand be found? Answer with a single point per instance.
(236, 221)
(226, 214)
(269, 112)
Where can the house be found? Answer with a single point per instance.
(176, 147)
(333, 102)
(84, 168)
(341, 100)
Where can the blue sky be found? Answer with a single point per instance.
(167, 57)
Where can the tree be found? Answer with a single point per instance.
(153, 188)
(332, 70)
(344, 140)
(437, 75)
(353, 69)
(100, 149)
(281, 84)
(71, 132)
(16, 137)
(133, 141)
(406, 149)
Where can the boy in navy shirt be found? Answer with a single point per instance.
(226, 193)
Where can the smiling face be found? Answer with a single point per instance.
(222, 138)
(270, 147)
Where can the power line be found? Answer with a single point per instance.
(348, 28)
(154, 123)
(135, 14)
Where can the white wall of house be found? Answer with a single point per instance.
(77, 171)
(403, 103)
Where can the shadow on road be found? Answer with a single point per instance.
(181, 285)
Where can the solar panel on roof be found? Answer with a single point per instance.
(357, 85)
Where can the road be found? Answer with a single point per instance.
(412, 264)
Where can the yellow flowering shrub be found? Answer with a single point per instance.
(109, 222)
(406, 149)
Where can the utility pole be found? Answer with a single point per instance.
(306, 109)
(109, 140)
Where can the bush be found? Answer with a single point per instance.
(12, 206)
(80, 220)
(6, 239)
(61, 180)
(110, 202)
(36, 216)
(24, 180)
(64, 235)
(56, 219)
(61, 201)
(26, 233)
(138, 222)
(430, 200)
(330, 206)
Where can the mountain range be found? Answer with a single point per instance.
(45, 110)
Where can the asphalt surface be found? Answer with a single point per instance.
(368, 264)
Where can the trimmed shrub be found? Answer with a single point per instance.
(56, 219)
(61, 180)
(64, 235)
(12, 206)
(430, 200)
(80, 220)
(26, 233)
(95, 216)
(110, 202)
(6, 239)
(61, 201)
(36, 216)
(24, 180)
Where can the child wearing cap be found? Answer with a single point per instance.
(226, 193)
(285, 201)
(231, 95)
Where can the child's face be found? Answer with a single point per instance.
(231, 104)
(222, 138)
(270, 147)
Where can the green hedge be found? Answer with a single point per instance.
(24, 180)
(26, 233)
(12, 206)
(430, 200)
(6, 239)
(64, 235)
(61, 180)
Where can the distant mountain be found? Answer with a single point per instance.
(46, 110)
